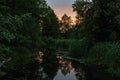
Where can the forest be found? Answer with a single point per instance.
(30, 26)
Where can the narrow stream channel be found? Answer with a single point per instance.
(64, 71)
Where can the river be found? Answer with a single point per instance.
(64, 69)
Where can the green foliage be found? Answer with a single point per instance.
(76, 48)
(79, 48)
(118, 19)
(17, 42)
(50, 25)
(106, 53)
(63, 44)
(2, 73)
(20, 36)
(99, 18)
(80, 6)
(66, 27)
(101, 21)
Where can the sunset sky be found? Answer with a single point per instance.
(61, 7)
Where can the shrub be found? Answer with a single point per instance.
(63, 44)
(106, 53)
(80, 48)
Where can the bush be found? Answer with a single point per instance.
(62, 44)
(80, 48)
(106, 53)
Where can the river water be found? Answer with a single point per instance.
(71, 75)
(65, 72)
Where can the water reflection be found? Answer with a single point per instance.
(68, 76)
(65, 71)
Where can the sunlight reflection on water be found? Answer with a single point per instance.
(69, 76)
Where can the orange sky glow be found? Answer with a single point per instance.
(62, 7)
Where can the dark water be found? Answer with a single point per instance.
(64, 71)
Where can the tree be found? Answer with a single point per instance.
(99, 18)
(66, 23)
(100, 26)
(20, 37)
(50, 24)
(78, 20)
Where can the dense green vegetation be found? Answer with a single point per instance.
(27, 26)
(22, 25)
(100, 59)
(100, 26)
